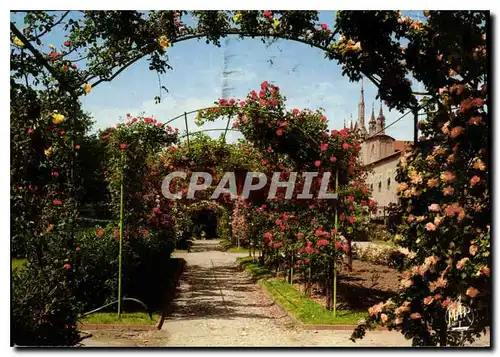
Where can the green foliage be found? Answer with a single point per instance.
(18, 264)
(44, 309)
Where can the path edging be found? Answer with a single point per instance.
(116, 327)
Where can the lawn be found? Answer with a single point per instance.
(18, 263)
(299, 305)
(237, 250)
(384, 242)
(127, 318)
(307, 311)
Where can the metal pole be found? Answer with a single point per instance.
(121, 245)
(334, 240)
(227, 127)
(187, 130)
(415, 126)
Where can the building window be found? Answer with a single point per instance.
(380, 186)
(371, 186)
(388, 183)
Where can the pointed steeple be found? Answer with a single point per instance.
(372, 124)
(381, 120)
(360, 124)
(362, 99)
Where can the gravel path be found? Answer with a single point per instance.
(219, 305)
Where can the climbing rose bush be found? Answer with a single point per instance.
(445, 208)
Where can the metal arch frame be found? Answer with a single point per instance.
(236, 130)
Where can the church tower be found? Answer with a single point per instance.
(381, 120)
(373, 122)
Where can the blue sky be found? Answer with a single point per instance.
(305, 77)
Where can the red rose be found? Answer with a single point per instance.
(30, 131)
(67, 43)
(100, 232)
(123, 146)
(57, 202)
(279, 132)
(66, 266)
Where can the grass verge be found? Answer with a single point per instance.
(300, 306)
(384, 243)
(237, 250)
(127, 318)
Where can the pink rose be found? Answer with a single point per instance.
(430, 226)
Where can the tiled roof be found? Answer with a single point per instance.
(399, 145)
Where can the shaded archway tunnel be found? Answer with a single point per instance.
(205, 223)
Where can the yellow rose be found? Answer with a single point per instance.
(58, 118)
(49, 152)
(18, 42)
(164, 42)
(237, 18)
(357, 46)
(276, 23)
(87, 88)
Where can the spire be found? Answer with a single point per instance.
(381, 113)
(381, 120)
(372, 124)
(361, 111)
(362, 99)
